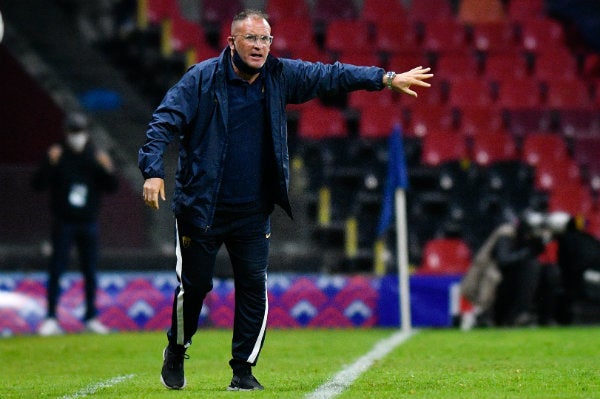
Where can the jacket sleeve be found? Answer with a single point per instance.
(510, 255)
(176, 111)
(307, 80)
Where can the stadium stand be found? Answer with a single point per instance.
(485, 127)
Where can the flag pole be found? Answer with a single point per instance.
(394, 204)
(402, 260)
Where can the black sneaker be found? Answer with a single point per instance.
(171, 374)
(244, 382)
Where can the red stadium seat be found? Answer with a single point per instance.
(291, 35)
(363, 100)
(219, 12)
(543, 148)
(397, 37)
(424, 120)
(568, 93)
(551, 174)
(476, 121)
(542, 34)
(505, 67)
(444, 36)
(456, 66)
(573, 198)
(445, 256)
(377, 121)
(519, 93)
(442, 146)
(156, 11)
(318, 122)
(495, 38)
(525, 11)
(492, 147)
(559, 62)
(326, 11)
(377, 12)
(360, 57)
(347, 35)
(470, 92)
(405, 62)
(285, 9)
(186, 34)
(429, 10)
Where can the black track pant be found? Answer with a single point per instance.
(247, 242)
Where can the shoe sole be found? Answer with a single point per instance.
(173, 388)
(243, 389)
(165, 384)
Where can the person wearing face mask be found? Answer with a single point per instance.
(229, 115)
(77, 174)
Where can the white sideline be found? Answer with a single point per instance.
(92, 389)
(343, 379)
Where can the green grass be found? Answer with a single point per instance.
(434, 364)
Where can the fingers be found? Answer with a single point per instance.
(152, 190)
(151, 199)
(417, 77)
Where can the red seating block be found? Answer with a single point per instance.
(493, 146)
(573, 198)
(445, 256)
(519, 93)
(377, 122)
(398, 36)
(444, 36)
(568, 93)
(317, 122)
(470, 92)
(284, 9)
(291, 35)
(377, 12)
(543, 148)
(550, 175)
(442, 146)
(525, 10)
(347, 35)
(495, 37)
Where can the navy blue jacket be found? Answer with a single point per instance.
(195, 109)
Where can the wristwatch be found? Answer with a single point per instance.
(390, 78)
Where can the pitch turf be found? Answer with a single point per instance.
(435, 364)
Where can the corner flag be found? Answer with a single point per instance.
(394, 199)
(397, 178)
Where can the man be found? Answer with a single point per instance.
(229, 114)
(77, 175)
(516, 256)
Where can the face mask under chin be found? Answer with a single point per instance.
(77, 141)
(242, 66)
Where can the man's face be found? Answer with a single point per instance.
(246, 39)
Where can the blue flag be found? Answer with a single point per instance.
(397, 177)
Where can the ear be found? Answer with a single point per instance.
(230, 42)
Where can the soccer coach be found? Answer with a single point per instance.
(229, 115)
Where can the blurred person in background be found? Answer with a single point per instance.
(229, 115)
(506, 282)
(77, 174)
(578, 255)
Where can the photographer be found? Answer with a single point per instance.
(516, 257)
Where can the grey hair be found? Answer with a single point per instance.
(249, 12)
